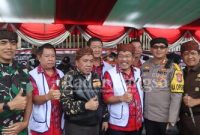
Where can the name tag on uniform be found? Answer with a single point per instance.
(146, 69)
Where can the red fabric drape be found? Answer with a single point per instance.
(2, 25)
(105, 33)
(8, 26)
(196, 34)
(172, 35)
(89, 11)
(135, 33)
(195, 25)
(42, 31)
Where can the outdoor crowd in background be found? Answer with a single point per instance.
(121, 92)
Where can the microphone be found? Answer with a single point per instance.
(191, 113)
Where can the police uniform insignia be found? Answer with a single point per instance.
(163, 69)
(161, 78)
(177, 82)
(146, 69)
(161, 81)
(179, 76)
(196, 89)
(159, 84)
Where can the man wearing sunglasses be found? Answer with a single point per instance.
(163, 85)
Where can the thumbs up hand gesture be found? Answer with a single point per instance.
(127, 97)
(92, 104)
(19, 102)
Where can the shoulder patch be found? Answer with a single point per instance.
(177, 81)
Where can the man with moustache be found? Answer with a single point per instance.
(123, 95)
(190, 108)
(163, 88)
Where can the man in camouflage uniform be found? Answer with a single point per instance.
(15, 88)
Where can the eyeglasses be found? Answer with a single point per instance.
(159, 47)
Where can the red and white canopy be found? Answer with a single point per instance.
(42, 21)
(130, 13)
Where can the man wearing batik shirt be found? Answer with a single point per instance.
(122, 92)
(99, 67)
(47, 112)
(15, 88)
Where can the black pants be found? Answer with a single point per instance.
(155, 128)
(115, 132)
(187, 127)
(74, 129)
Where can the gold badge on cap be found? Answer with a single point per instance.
(196, 89)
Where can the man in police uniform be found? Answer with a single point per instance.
(163, 87)
(190, 108)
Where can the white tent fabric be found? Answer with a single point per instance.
(54, 41)
(106, 44)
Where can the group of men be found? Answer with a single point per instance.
(95, 98)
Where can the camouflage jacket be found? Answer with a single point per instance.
(76, 90)
(13, 77)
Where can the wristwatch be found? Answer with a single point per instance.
(6, 107)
